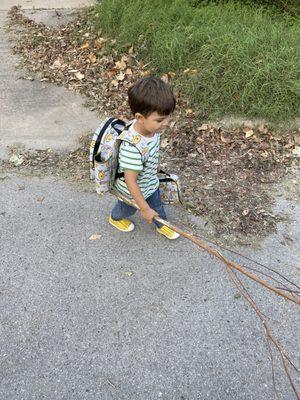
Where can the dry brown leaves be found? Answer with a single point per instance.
(227, 175)
(72, 57)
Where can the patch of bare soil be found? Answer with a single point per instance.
(228, 176)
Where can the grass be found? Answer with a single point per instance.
(246, 58)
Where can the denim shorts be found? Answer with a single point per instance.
(122, 210)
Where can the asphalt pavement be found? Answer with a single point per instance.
(125, 316)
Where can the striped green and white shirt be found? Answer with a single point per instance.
(131, 159)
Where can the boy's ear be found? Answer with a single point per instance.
(139, 117)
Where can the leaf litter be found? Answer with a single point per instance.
(228, 175)
(95, 236)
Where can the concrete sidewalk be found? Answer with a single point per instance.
(35, 114)
(44, 4)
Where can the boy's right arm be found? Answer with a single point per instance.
(131, 181)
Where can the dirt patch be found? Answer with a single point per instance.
(228, 175)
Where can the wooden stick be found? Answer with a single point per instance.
(216, 253)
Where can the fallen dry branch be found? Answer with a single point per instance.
(231, 264)
(232, 269)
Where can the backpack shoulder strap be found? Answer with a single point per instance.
(102, 128)
(137, 141)
(116, 124)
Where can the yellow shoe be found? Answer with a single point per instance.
(123, 225)
(168, 232)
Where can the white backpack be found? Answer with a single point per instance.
(104, 151)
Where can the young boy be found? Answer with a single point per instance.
(151, 101)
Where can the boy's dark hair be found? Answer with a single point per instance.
(149, 95)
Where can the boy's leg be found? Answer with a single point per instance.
(155, 203)
(118, 217)
(122, 210)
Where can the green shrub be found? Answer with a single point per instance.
(247, 60)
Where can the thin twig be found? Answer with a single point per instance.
(289, 290)
(216, 253)
(250, 259)
(273, 368)
(274, 279)
(269, 336)
(245, 294)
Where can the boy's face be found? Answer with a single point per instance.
(153, 123)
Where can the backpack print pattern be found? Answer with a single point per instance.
(104, 152)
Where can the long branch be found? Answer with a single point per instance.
(215, 253)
